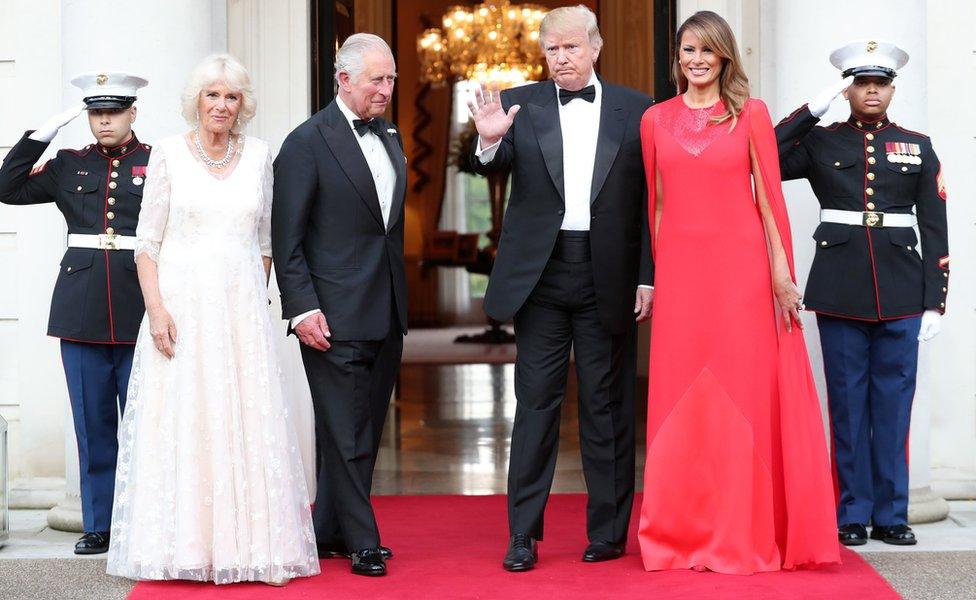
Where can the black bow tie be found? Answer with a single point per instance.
(588, 93)
(362, 126)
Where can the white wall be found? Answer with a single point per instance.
(43, 43)
(797, 38)
(32, 391)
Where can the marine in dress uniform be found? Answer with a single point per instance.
(97, 305)
(876, 296)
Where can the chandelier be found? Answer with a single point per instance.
(493, 42)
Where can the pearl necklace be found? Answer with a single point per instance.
(214, 164)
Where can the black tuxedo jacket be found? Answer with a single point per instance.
(96, 298)
(870, 273)
(331, 249)
(619, 234)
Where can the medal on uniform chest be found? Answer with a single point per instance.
(138, 175)
(903, 153)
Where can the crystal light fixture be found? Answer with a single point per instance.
(494, 42)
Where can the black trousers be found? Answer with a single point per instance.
(561, 313)
(351, 385)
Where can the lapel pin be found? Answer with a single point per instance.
(391, 131)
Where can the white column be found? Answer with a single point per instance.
(952, 374)
(797, 38)
(161, 41)
(31, 244)
(271, 39)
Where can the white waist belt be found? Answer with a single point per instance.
(102, 241)
(867, 218)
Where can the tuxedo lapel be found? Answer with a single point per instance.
(545, 120)
(341, 139)
(612, 126)
(399, 162)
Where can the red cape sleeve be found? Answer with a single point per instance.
(650, 172)
(763, 140)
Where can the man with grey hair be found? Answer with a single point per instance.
(574, 270)
(337, 238)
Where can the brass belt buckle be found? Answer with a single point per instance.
(872, 219)
(107, 241)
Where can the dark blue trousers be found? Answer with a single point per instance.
(870, 369)
(98, 378)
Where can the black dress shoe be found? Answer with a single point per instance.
(93, 543)
(332, 550)
(601, 551)
(369, 562)
(340, 551)
(896, 535)
(522, 553)
(852, 534)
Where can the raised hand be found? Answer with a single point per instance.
(819, 104)
(490, 119)
(50, 128)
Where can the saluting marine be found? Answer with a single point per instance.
(876, 297)
(97, 306)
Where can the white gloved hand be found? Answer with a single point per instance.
(819, 104)
(47, 131)
(931, 325)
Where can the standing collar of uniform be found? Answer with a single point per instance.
(347, 112)
(866, 126)
(594, 81)
(120, 150)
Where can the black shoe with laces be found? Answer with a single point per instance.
(602, 551)
(522, 553)
(340, 551)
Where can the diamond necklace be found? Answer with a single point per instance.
(214, 164)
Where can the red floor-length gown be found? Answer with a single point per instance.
(737, 478)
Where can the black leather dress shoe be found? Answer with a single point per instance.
(340, 551)
(852, 534)
(93, 543)
(896, 535)
(332, 551)
(369, 562)
(601, 551)
(522, 553)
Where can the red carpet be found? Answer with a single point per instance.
(451, 547)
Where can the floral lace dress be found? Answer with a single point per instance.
(210, 483)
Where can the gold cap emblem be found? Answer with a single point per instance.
(101, 79)
(872, 46)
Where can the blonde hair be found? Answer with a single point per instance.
(225, 69)
(566, 18)
(714, 32)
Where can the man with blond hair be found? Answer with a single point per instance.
(574, 270)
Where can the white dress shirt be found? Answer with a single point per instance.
(380, 166)
(579, 124)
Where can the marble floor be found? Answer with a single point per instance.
(449, 432)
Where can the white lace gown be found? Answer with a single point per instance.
(210, 484)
